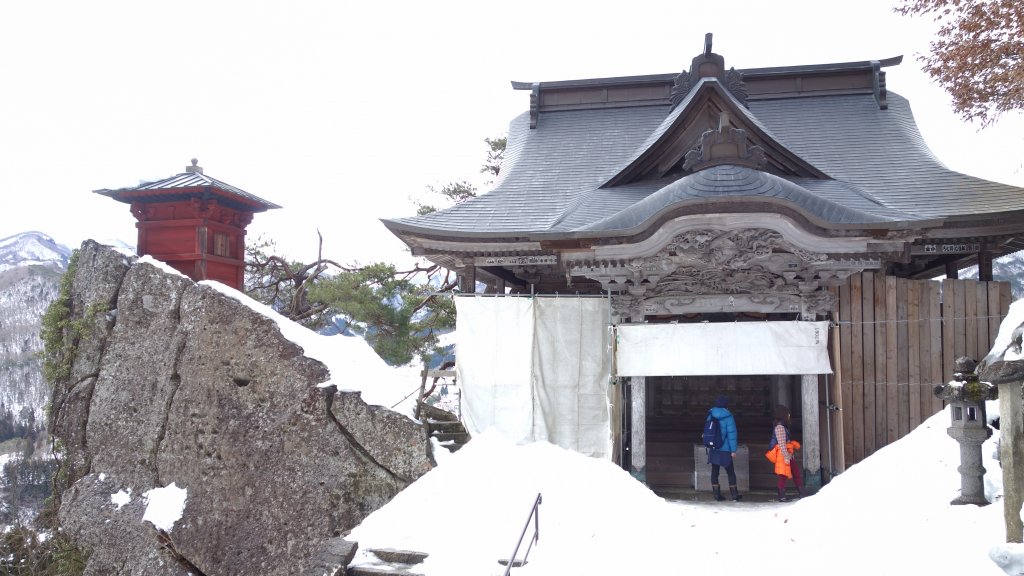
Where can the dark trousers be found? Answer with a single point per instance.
(797, 481)
(730, 471)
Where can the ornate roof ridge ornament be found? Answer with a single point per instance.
(708, 65)
(878, 83)
(726, 145)
(534, 105)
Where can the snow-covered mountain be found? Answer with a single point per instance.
(32, 248)
(31, 265)
(1009, 268)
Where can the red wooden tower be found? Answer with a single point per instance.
(194, 223)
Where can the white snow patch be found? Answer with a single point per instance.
(1014, 318)
(164, 506)
(161, 265)
(121, 497)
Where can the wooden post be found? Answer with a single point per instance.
(837, 382)
(1008, 375)
(1011, 458)
(638, 432)
(638, 420)
(812, 431)
(984, 265)
(423, 388)
(809, 406)
(467, 279)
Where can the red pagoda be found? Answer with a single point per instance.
(194, 223)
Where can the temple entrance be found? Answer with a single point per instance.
(677, 407)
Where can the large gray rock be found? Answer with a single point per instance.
(175, 383)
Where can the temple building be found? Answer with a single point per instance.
(194, 223)
(768, 234)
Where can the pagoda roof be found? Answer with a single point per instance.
(187, 185)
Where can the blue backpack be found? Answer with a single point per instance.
(712, 433)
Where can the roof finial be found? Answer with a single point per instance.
(195, 168)
(707, 44)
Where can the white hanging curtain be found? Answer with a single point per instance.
(571, 374)
(722, 349)
(537, 369)
(494, 364)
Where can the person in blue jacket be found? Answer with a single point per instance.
(723, 458)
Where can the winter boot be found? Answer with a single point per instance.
(718, 492)
(782, 495)
(735, 493)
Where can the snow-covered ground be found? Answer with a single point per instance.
(888, 515)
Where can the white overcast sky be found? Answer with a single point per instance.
(340, 111)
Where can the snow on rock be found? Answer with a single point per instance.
(164, 506)
(353, 364)
(1014, 321)
(121, 497)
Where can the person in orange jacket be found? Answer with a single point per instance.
(785, 449)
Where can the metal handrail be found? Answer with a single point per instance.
(535, 516)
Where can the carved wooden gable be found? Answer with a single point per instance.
(711, 127)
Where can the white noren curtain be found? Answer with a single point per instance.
(537, 369)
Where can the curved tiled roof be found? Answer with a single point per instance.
(726, 180)
(883, 153)
(880, 172)
(181, 186)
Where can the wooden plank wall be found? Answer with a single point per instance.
(898, 339)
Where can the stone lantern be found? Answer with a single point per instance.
(966, 396)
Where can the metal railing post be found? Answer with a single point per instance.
(535, 516)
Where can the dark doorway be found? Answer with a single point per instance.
(677, 407)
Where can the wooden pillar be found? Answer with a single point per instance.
(616, 398)
(467, 279)
(1008, 375)
(239, 253)
(201, 249)
(781, 385)
(952, 272)
(984, 265)
(1011, 457)
(838, 460)
(811, 446)
(638, 432)
(638, 419)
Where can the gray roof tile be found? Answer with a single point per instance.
(184, 181)
(882, 171)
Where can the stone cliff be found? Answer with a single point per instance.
(170, 382)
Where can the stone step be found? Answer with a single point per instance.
(433, 413)
(444, 426)
(377, 570)
(390, 561)
(455, 437)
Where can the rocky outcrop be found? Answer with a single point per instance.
(172, 382)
